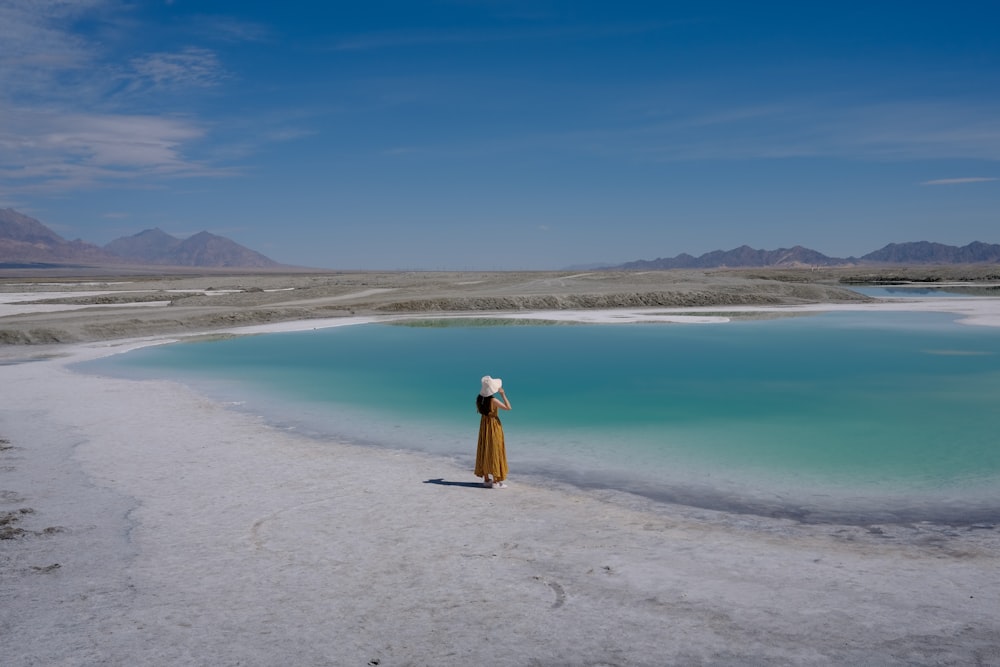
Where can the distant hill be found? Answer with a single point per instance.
(744, 256)
(923, 252)
(154, 246)
(920, 252)
(149, 247)
(24, 240)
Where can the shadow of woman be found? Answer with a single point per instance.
(442, 482)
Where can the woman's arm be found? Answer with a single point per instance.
(505, 405)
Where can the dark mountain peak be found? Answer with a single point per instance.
(154, 246)
(207, 249)
(24, 239)
(155, 232)
(743, 256)
(926, 252)
(917, 252)
(16, 226)
(151, 246)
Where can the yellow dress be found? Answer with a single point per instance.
(491, 456)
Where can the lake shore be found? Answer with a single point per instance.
(51, 310)
(145, 524)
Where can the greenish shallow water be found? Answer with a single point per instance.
(862, 417)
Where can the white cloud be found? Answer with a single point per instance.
(959, 181)
(72, 106)
(37, 49)
(42, 152)
(123, 141)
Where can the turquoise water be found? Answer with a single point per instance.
(888, 416)
(910, 291)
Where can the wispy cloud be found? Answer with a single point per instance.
(960, 181)
(60, 151)
(796, 128)
(36, 49)
(77, 113)
(390, 39)
(230, 29)
(923, 130)
(190, 67)
(695, 122)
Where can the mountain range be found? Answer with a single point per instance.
(26, 241)
(919, 252)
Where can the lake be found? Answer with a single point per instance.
(857, 417)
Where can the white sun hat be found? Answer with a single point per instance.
(490, 386)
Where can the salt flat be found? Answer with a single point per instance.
(151, 526)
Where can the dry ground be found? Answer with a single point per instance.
(131, 306)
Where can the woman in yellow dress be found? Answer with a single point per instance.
(491, 456)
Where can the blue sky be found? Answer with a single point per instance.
(482, 134)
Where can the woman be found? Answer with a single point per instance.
(491, 456)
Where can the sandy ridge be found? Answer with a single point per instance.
(192, 304)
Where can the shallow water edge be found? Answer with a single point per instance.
(853, 511)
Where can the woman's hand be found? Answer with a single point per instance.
(505, 404)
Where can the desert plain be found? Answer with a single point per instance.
(144, 524)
